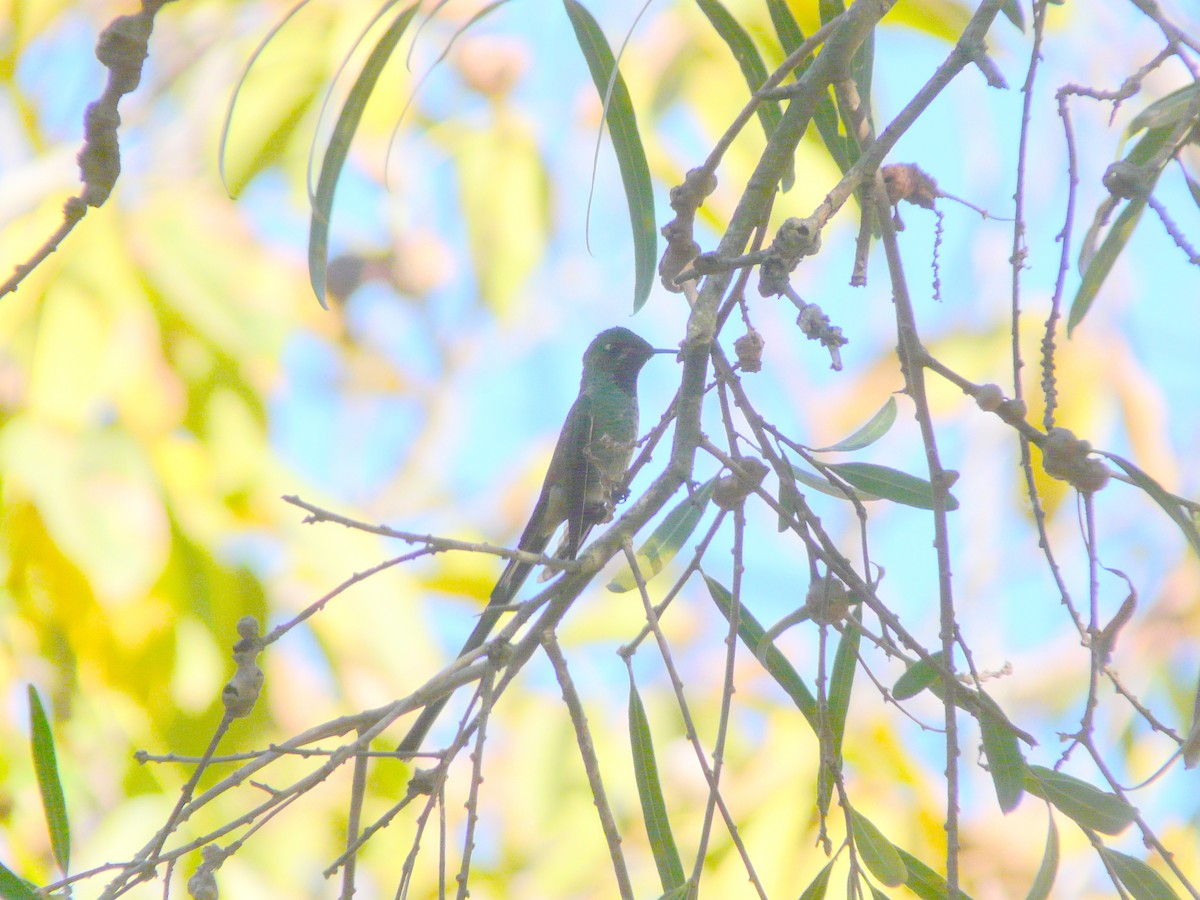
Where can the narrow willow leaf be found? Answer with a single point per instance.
(818, 483)
(14, 887)
(877, 894)
(665, 542)
(1142, 882)
(1192, 185)
(339, 149)
(751, 64)
(1043, 882)
(679, 893)
(1102, 262)
(819, 885)
(1164, 112)
(875, 428)
(1013, 12)
(45, 764)
(841, 686)
(1005, 761)
(877, 852)
(654, 807)
(890, 484)
(627, 144)
(787, 29)
(924, 882)
(751, 632)
(1096, 266)
(1169, 503)
(916, 678)
(1085, 803)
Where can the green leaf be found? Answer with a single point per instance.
(877, 852)
(45, 764)
(916, 678)
(1043, 882)
(1164, 112)
(877, 894)
(787, 29)
(14, 887)
(1169, 503)
(924, 882)
(627, 144)
(665, 542)
(1005, 761)
(1142, 882)
(822, 485)
(841, 686)
(654, 807)
(1102, 262)
(751, 64)
(339, 148)
(751, 633)
(1085, 803)
(890, 484)
(819, 885)
(876, 427)
(1013, 12)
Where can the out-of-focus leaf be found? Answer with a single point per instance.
(787, 29)
(14, 887)
(627, 144)
(1170, 505)
(890, 484)
(1164, 112)
(1043, 882)
(339, 148)
(1014, 13)
(1005, 761)
(877, 894)
(875, 428)
(654, 807)
(877, 852)
(924, 882)
(1085, 803)
(1191, 744)
(666, 540)
(751, 632)
(1193, 186)
(45, 765)
(751, 64)
(506, 198)
(818, 886)
(1142, 882)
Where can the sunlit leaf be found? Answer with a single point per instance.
(1142, 882)
(1085, 803)
(1170, 504)
(751, 64)
(924, 881)
(877, 852)
(875, 428)
(751, 633)
(14, 887)
(654, 806)
(339, 148)
(890, 484)
(45, 764)
(627, 144)
(665, 542)
(1043, 882)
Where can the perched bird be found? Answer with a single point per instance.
(584, 482)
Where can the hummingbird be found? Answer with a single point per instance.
(585, 481)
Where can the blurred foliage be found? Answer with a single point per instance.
(143, 367)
